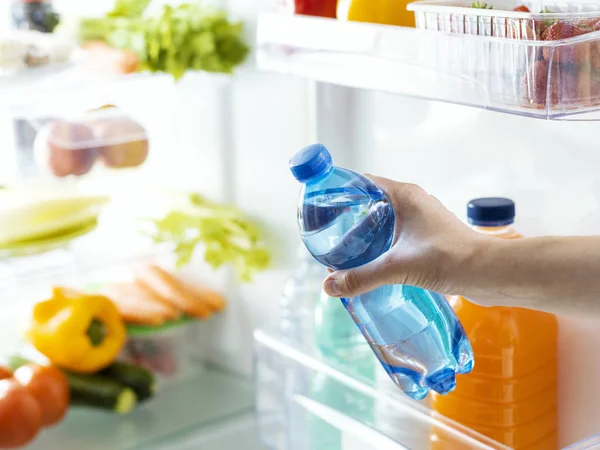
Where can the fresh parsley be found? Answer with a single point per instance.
(174, 39)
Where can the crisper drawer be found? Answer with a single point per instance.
(305, 403)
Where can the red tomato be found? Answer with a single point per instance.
(20, 415)
(49, 386)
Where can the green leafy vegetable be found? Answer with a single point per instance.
(479, 5)
(129, 8)
(174, 40)
(227, 235)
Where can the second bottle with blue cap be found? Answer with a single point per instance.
(346, 221)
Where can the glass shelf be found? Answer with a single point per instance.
(305, 402)
(177, 413)
(508, 75)
(43, 92)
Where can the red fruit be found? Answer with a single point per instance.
(564, 86)
(522, 8)
(66, 148)
(561, 30)
(49, 386)
(534, 86)
(20, 415)
(566, 54)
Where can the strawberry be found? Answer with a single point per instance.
(561, 30)
(564, 88)
(521, 8)
(575, 54)
(535, 82)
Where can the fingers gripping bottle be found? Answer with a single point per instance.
(346, 221)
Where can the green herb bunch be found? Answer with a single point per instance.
(174, 39)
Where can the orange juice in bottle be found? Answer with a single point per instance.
(511, 394)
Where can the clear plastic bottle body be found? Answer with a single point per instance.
(347, 221)
(300, 296)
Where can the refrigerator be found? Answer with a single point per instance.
(397, 102)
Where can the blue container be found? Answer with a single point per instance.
(346, 221)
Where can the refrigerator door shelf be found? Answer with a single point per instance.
(305, 402)
(526, 77)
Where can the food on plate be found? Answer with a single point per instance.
(127, 143)
(521, 8)
(141, 380)
(173, 290)
(65, 148)
(47, 243)
(139, 304)
(41, 225)
(50, 217)
(111, 60)
(49, 386)
(76, 331)
(20, 415)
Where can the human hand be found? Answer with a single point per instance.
(432, 248)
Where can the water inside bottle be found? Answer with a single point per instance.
(408, 328)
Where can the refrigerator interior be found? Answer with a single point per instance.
(231, 139)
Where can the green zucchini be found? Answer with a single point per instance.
(101, 392)
(92, 390)
(138, 378)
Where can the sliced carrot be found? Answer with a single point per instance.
(172, 291)
(111, 59)
(139, 305)
(215, 301)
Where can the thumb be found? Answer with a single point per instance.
(353, 282)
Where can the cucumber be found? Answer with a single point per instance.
(101, 392)
(139, 379)
(92, 390)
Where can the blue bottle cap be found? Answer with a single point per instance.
(491, 212)
(310, 162)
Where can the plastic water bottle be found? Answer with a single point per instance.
(299, 300)
(346, 221)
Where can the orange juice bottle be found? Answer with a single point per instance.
(511, 394)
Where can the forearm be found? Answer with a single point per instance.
(560, 275)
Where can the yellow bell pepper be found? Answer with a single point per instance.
(387, 12)
(79, 332)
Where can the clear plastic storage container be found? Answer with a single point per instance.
(74, 145)
(513, 19)
(170, 353)
(558, 72)
(546, 79)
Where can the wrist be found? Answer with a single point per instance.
(468, 273)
